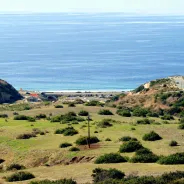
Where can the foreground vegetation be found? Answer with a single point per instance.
(48, 139)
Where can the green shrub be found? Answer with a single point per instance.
(181, 121)
(83, 113)
(105, 123)
(108, 139)
(62, 181)
(58, 106)
(93, 103)
(140, 112)
(84, 140)
(167, 117)
(1, 160)
(144, 121)
(103, 174)
(15, 167)
(130, 146)
(56, 119)
(26, 136)
(181, 126)
(66, 118)
(124, 112)
(152, 136)
(69, 131)
(20, 176)
(153, 114)
(144, 155)
(110, 158)
(174, 159)
(74, 149)
(173, 143)
(105, 112)
(127, 138)
(31, 119)
(3, 116)
(65, 145)
(41, 116)
(139, 89)
(22, 117)
(71, 104)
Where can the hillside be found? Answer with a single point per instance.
(8, 94)
(159, 94)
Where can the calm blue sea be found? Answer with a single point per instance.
(54, 52)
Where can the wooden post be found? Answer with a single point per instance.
(89, 144)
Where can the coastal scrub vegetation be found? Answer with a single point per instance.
(84, 140)
(152, 136)
(110, 158)
(105, 112)
(130, 146)
(69, 131)
(20, 176)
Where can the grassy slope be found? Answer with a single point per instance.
(29, 152)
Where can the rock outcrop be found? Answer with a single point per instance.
(8, 94)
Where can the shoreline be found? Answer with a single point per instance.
(79, 91)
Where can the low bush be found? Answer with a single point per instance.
(71, 104)
(58, 106)
(65, 145)
(144, 121)
(127, 138)
(181, 120)
(173, 143)
(174, 159)
(124, 112)
(167, 117)
(74, 149)
(105, 112)
(20, 176)
(152, 136)
(140, 112)
(83, 113)
(67, 118)
(167, 178)
(144, 155)
(26, 136)
(31, 119)
(84, 140)
(69, 131)
(93, 103)
(108, 139)
(41, 116)
(62, 181)
(110, 158)
(153, 114)
(181, 126)
(130, 146)
(105, 123)
(103, 174)
(3, 116)
(1, 160)
(23, 117)
(15, 167)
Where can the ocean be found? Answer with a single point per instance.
(92, 52)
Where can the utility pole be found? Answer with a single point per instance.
(88, 119)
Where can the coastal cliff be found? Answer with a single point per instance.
(8, 94)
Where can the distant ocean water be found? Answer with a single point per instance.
(55, 52)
